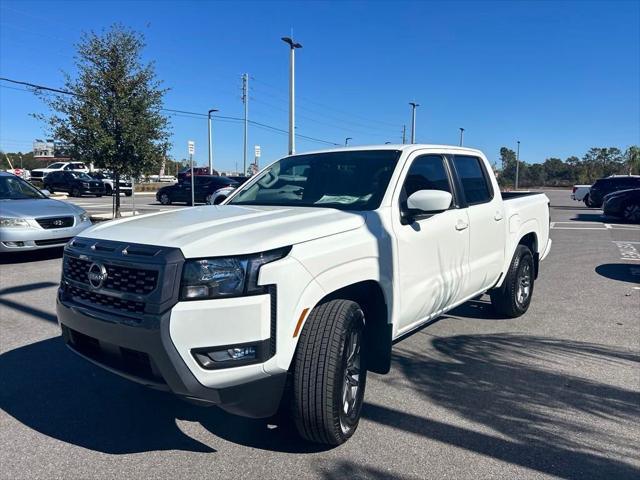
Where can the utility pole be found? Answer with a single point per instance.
(245, 100)
(517, 163)
(210, 139)
(414, 105)
(404, 134)
(461, 135)
(292, 100)
(346, 141)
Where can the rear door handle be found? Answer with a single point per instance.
(461, 225)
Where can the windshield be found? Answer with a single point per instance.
(55, 165)
(80, 176)
(14, 188)
(349, 180)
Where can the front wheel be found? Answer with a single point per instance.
(165, 199)
(513, 298)
(128, 193)
(330, 373)
(631, 212)
(207, 200)
(74, 192)
(587, 201)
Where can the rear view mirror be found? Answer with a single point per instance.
(426, 202)
(46, 193)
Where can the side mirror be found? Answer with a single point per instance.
(46, 192)
(426, 202)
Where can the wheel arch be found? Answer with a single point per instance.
(378, 329)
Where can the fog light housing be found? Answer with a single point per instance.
(14, 244)
(228, 356)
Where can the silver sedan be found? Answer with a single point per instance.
(29, 220)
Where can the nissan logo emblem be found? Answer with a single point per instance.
(58, 223)
(97, 274)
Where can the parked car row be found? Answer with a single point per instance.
(210, 189)
(618, 196)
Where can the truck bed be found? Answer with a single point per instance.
(512, 195)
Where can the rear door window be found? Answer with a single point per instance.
(475, 180)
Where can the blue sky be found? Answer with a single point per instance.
(559, 76)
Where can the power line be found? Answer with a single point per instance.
(169, 110)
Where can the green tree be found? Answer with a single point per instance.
(507, 175)
(113, 116)
(632, 159)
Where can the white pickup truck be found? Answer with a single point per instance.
(289, 292)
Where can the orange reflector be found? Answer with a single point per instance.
(300, 320)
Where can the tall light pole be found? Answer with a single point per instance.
(346, 141)
(414, 105)
(461, 135)
(292, 97)
(517, 163)
(245, 100)
(210, 140)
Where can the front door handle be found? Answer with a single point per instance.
(461, 225)
(497, 217)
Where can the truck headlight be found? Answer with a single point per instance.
(226, 276)
(8, 222)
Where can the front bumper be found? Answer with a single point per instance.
(21, 239)
(149, 351)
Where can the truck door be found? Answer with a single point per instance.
(487, 225)
(432, 252)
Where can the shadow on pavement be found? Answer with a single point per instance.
(545, 419)
(589, 217)
(51, 390)
(24, 307)
(622, 272)
(32, 256)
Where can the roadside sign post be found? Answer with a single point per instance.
(257, 153)
(192, 150)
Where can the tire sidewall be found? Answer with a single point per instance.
(347, 425)
(523, 258)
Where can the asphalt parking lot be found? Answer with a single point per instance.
(555, 393)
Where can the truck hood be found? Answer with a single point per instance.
(228, 229)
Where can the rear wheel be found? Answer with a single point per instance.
(631, 212)
(74, 192)
(330, 373)
(48, 188)
(128, 193)
(587, 201)
(207, 200)
(513, 298)
(107, 189)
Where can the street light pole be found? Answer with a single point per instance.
(210, 140)
(414, 105)
(346, 141)
(292, 106)
(461, 135)
(517, 163)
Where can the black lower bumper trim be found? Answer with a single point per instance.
(146, 355)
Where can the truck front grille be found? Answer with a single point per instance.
(105, 301)
(121, 279)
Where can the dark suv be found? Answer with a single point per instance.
(74, 183)
(607, 185)
(205, 185)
